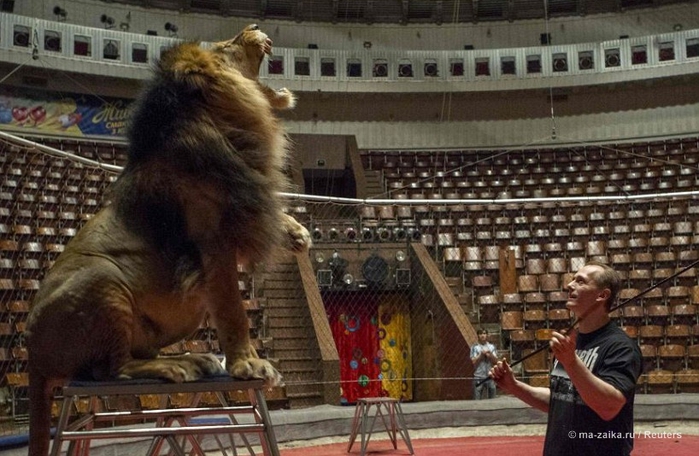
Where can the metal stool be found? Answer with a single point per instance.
(391, 414)
(165, 424)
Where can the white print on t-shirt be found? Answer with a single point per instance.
(589, 358)
(564, 390)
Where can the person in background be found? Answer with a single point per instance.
(483, 357)
(590, 396)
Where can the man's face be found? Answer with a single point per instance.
(482, 337)
(583, 293)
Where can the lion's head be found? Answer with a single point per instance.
(246, 50)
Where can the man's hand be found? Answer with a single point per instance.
(503, 375)
(563, 347)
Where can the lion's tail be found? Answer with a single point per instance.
(40, 395)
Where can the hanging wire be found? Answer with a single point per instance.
(547, 29)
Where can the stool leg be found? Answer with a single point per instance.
(231, 436)
(356, 423)
(403, 429)
(269, 441)
(367, 428)
(391, 427)
(62, 423)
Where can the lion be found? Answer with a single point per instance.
(199, 195)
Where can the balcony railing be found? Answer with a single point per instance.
(129, 55)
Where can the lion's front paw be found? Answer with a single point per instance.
(256, 368)
(285, 99)
(299, 237)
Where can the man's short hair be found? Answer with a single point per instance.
(482, 331)
(607, 278)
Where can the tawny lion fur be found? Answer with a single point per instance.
(198, 195)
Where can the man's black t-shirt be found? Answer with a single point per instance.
(573, 427)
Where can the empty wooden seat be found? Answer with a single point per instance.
(626, 294)
(196, 346)
(472, 253)
(596, 248)
(535, 364)
(656, 241)
(574, 246)
(631, 331)
(556, 265)
(657, 314)
(512, 301)
(559, 318)
(683, 314)
(688, 277)
(527, 283)
(677, 295)
(637, 244)
(642, 259)
(687, 381)
(649, 354)
(488, 308)
(616, 314)
(651, 334)
(534, 300)
(557, 299)
(482, 281)
(173, 349)
(534, 319)
(9, 247)
(660, 381)
(549, 282)
(693, 356)
(682, 227)
(535, 266)
(543, 336)
(18, 307)
(662, 273)
(665, 258)
(617, 244)
(386, 212)
(522, 337)
(452, 254)
(577, 262)
(633, 315)
(671, 357)
(678, 334)
(640, 277)
(620, 260)
(511, 319)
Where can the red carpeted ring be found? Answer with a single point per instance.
(652, 445)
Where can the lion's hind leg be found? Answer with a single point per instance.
(178, 369)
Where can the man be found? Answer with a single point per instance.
(483, 357)
(591, 393)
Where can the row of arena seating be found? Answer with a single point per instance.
(616, 156)
(661, 167)
(662, 304)
(561, 155)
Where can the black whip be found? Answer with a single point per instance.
(613, 308)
